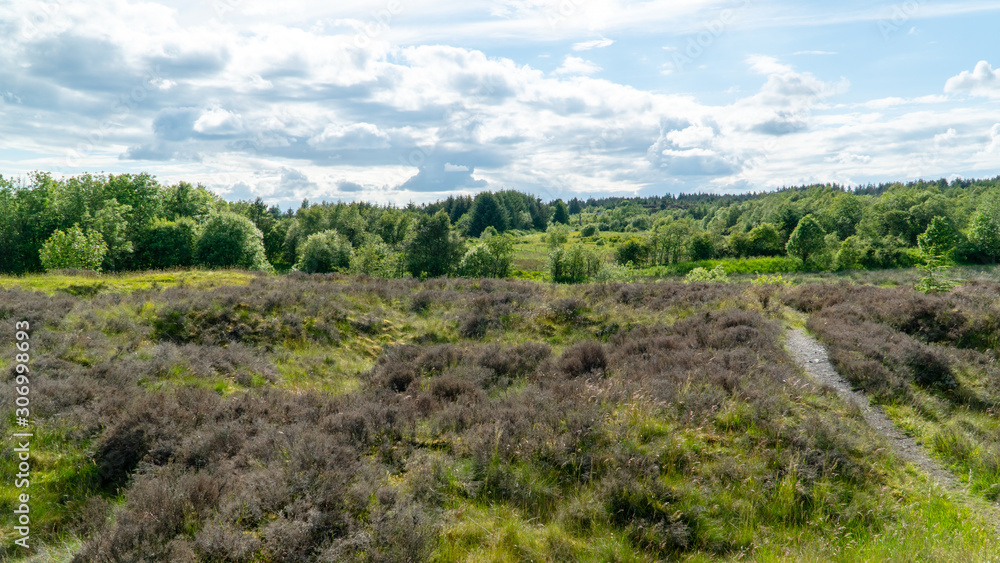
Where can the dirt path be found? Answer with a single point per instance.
(811, 355)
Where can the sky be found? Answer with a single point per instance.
(414, 100)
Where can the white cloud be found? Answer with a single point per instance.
(577, 65)
(994, 145)
(354, 136)
(982, 81)
(595, 44)
(948, 138)
(218, 121)
(691, 137)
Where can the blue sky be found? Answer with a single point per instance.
(415, 100)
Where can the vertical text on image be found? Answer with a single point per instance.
(22, 412)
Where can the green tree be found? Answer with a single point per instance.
(556, 234)
(560, 213)
(634, 251)
(487, 212)
(112, 221)
(434, 249)
(738, 244)
(850, 254)
(573, 265)
(351, 224)
(168, 244)
(392, 225)
(574, 206)
(765, 240)
(229, 240)
(377, 259)
(701, 246)
(984, 229)
(73, 248)
(939, 238)
(324, 252)
(807, 239)
(493, 257)
(185, 200)
(845, 214)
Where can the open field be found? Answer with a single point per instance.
(253, 417)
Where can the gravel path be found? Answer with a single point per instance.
(811, 355)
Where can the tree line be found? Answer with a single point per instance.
(127, 222)
(124, 222)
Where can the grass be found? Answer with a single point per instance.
(95, 284)
(61, 477)
(651, 421)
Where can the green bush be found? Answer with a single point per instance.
(492, 258)
(324, 252)
(701, 247)
(589, 230)
(736, 266)
(434, 249)
(716, 274)
(556, 235)
(378, 260)
(573, 265)
(229, 240)
(807, 240)
(635, 251)
(73, 248)
(168, 244)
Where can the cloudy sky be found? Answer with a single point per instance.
(413, 100)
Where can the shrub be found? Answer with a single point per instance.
(421, 301)
(73, 248)
(491, 258)
(474, 324)
(515, 362)
(568, 310)
(583, 358)
(229, 240)
(588, 230)
(573, 265)
(634, 251)
(807, 240)
(434, 250)
(168, 244)
(716, 274)
(324, 252)
(556, 235)
(701, 247)
(377, 259)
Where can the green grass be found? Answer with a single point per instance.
(61, 477)
(94, 284)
